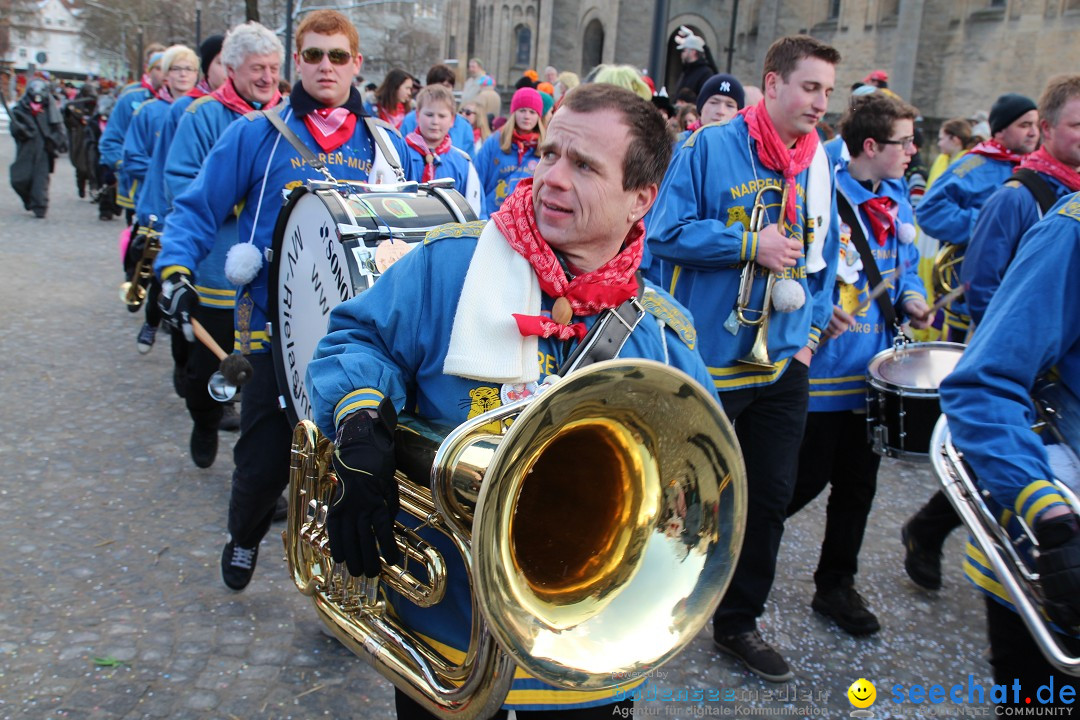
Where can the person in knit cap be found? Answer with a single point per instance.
(511, 155)
(950, 208)
(721, 97)
(877, 78)
(700, 238)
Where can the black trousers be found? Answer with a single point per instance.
(835, 451)
(201, 363)
(1014, 655)
(769, 423)
(934, 521)
(261, 455)
(409, 709)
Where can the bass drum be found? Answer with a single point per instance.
(331, 242)
(902, 402)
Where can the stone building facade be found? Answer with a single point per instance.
(949, 57)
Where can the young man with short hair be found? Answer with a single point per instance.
(249, 167)
(877, 228)
(700, 238)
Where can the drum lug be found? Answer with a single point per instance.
(269, 330)
(268, 253)
(881, 440)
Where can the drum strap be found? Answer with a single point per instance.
(884, 300)
(1044, 194)
(313, 160)
(608, 335)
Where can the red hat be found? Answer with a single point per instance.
(879, 75)
(649, 81)
(527, 98)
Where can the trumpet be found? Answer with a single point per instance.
(1057, 409)
(597, 536)
(743, 315)
(133, 292)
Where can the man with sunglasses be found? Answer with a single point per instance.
(249, 167)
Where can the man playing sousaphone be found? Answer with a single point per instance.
(481, 314)
(1031, 328)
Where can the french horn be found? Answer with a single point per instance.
(599, 523)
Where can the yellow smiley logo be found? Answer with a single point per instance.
(862, 693)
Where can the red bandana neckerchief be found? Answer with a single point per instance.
(331, 127)
(145, 82)
(416, 141)
(227, 96)
(1043, 162)
(776, 156)
(394, 118)
(606, 287)
(163, 94)
(524, 142)
(993, 149)
(201, 88)
(881, 211)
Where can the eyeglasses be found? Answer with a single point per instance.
(314, 56)
(468, 113)
(182, 69)
(907, 142)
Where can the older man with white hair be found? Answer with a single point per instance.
(251, 55)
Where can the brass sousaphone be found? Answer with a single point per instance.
(599, 523)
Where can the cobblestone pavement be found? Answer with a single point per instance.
(113, 606)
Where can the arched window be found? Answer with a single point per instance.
(524, 45)
(592, 46)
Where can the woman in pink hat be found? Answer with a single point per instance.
(507, 157)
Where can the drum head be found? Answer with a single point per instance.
(311, 273)
(915, 367)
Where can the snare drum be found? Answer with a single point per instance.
(902, 400)
(331, 242)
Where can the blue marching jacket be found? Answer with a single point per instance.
(455, 165)
(500, 172)
(461, 134)
(139, 143)
(951, 208)
(151, 200)
(392, 340)
(111, 145)
(200, 125)
(251, 166)
(1004, 219)
(1031, 326)
(838, 372)
(699, 236)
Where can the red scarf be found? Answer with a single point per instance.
(1043, 162)
(227, 96)
(606, 287)
(394, 118)
(993, 149)
(331, 127)
(145, 82)
(525, 142)
(164, 94)
(416, 141)
(201, 88)
(881, 211)
(776, 156)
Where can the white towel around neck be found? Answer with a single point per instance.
(485, 343)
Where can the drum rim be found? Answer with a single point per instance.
(881, 383)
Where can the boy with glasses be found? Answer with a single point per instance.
(249, 167)
(877, 229)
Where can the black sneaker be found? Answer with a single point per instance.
(230, 418)
(847, 609)
(145, 341)
(758, 656)
(923, 565)
(281, 510)
(238, 565)
(204, 444)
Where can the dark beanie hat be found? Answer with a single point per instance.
(210, 49)
(1007, 109)
(722, 84)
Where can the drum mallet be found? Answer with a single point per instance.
(235, 368)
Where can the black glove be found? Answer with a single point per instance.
(368, 502)
(1058, 564)
(178, 301)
